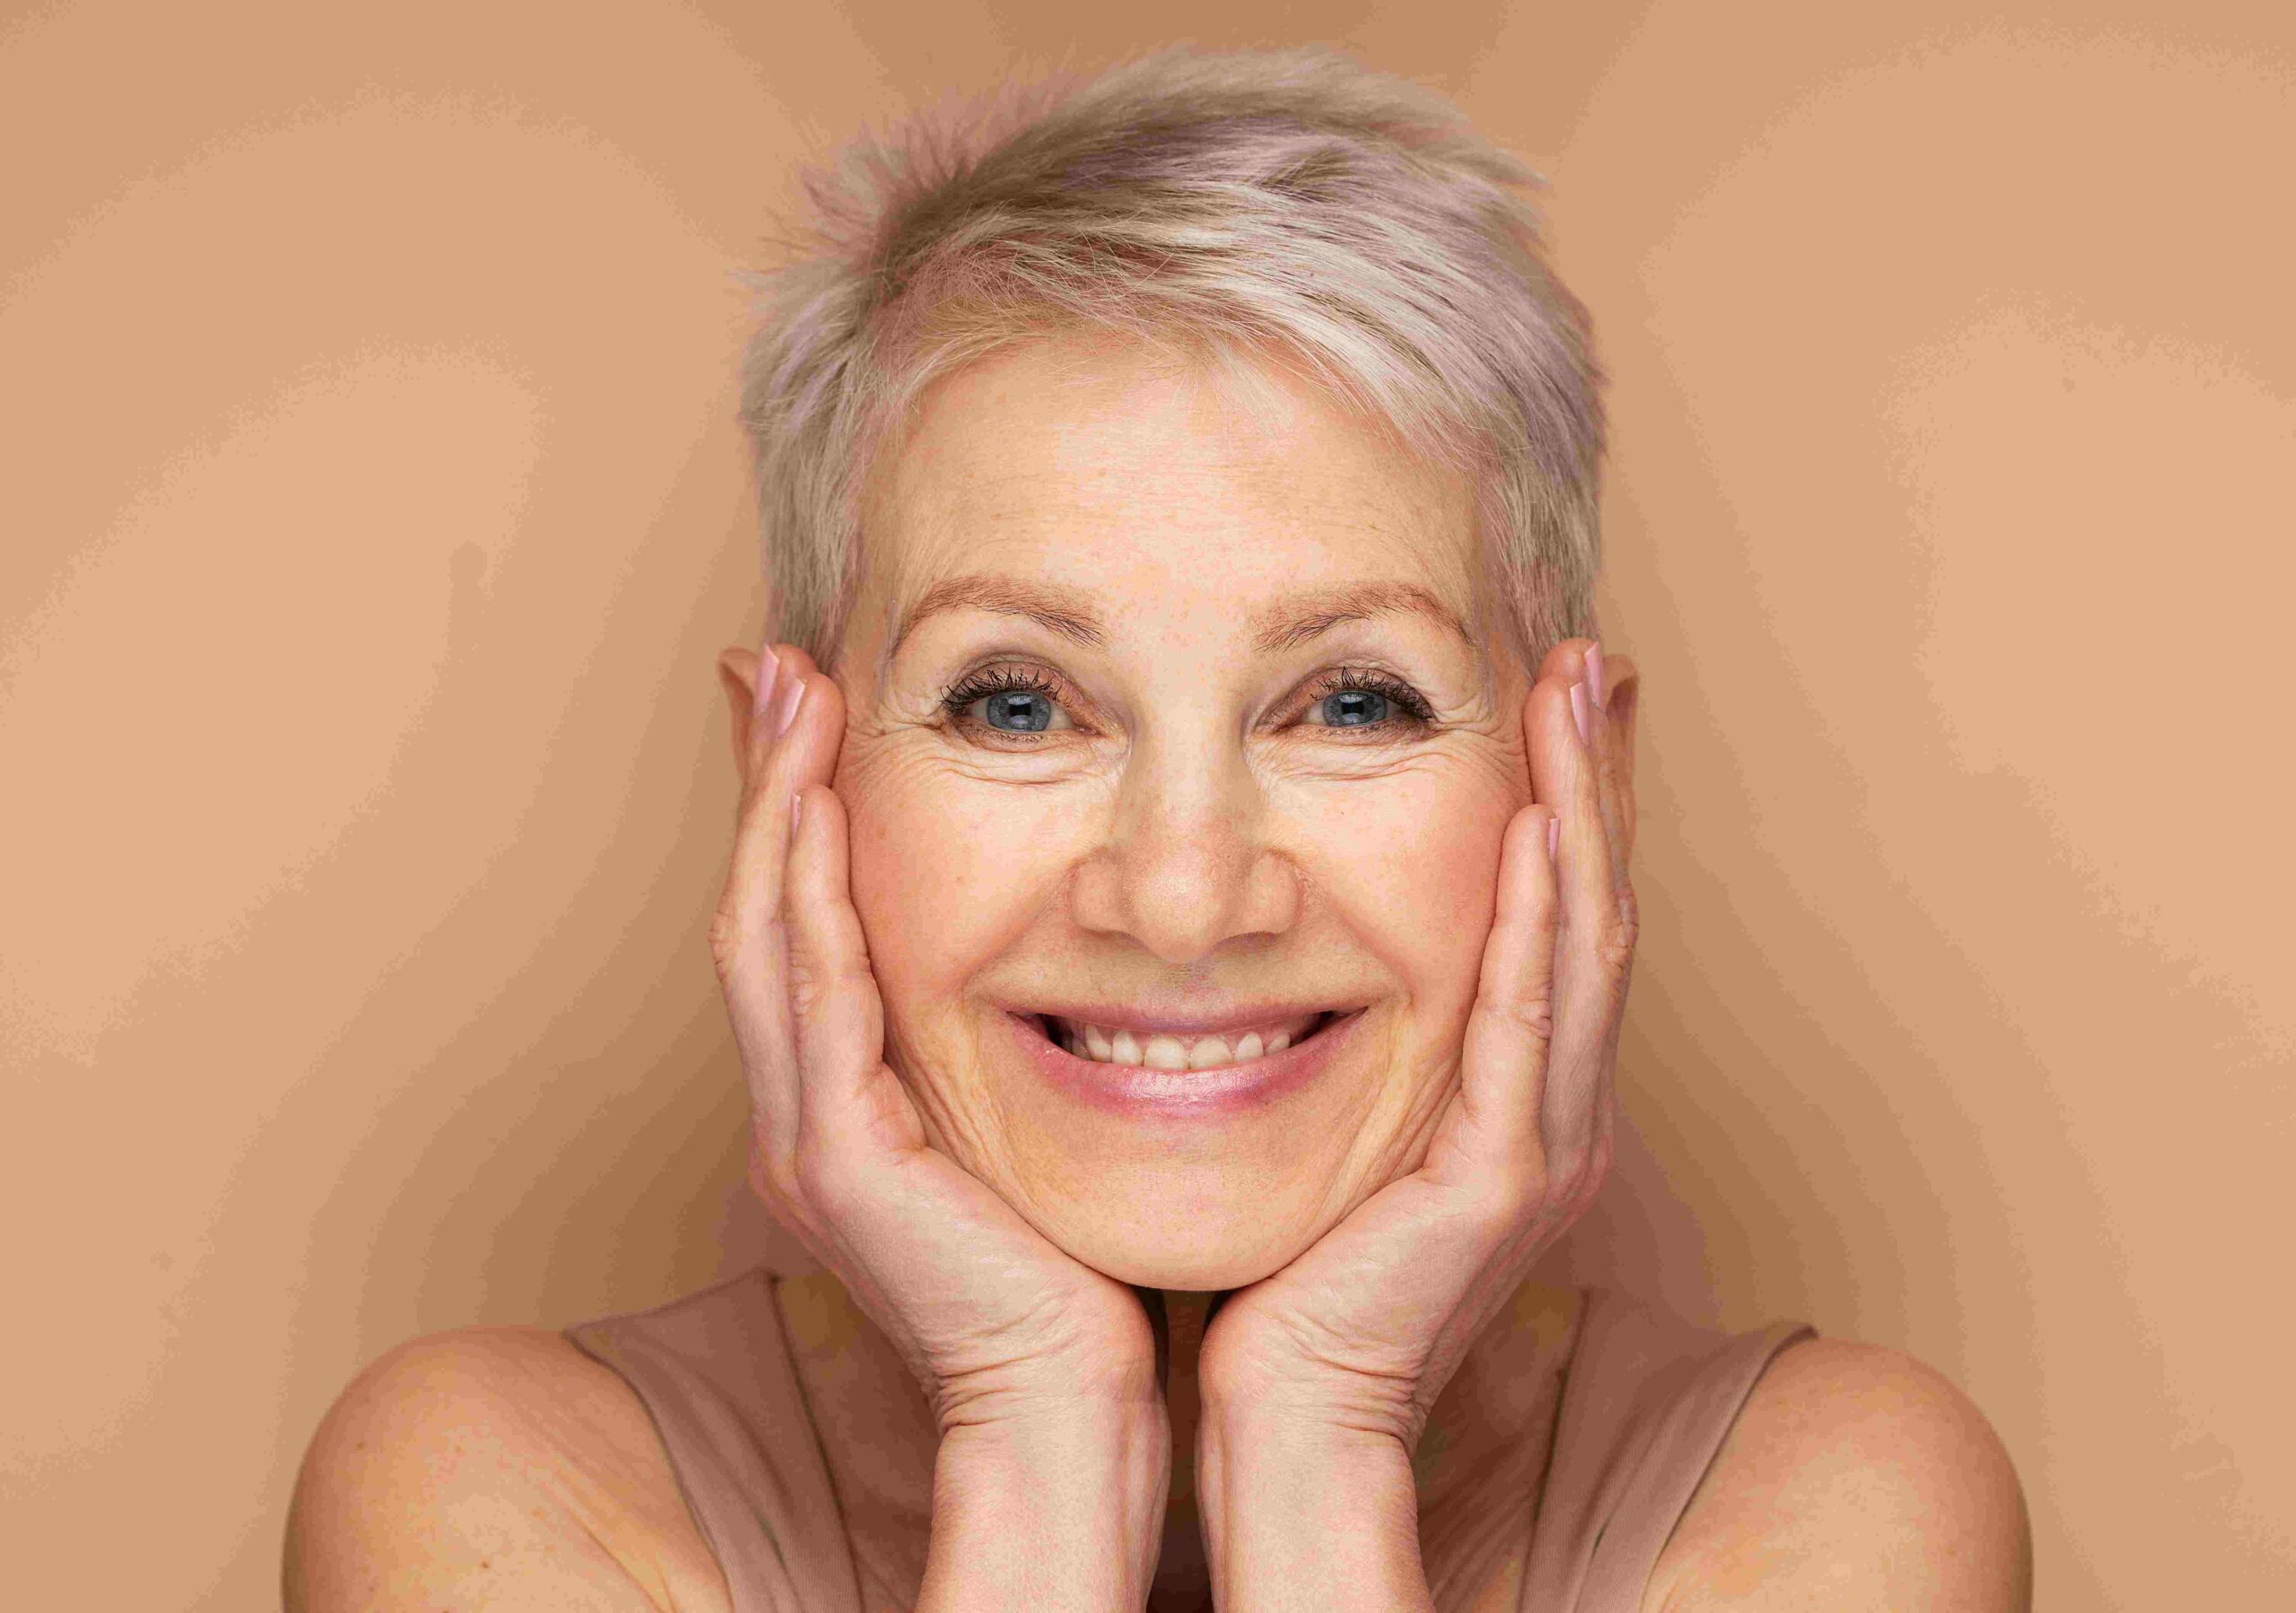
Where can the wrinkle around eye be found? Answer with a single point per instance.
(1360, 763)
(902, 752)
(1445, 752)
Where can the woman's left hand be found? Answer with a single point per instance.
(1361, 1331)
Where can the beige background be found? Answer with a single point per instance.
(372, 513)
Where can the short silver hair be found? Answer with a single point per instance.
(1290, 204)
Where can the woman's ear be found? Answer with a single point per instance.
(737, 674)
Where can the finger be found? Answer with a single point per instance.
(1584, 662)
(1614, 725)
(1609, 761)
(761, 833)
(1587, 984)
(747, 935)
(793, 743)
(1622, 700)
(785, 676)
(1504, 1057)
(848, 1099)
(1614, 686)
(1563, 661)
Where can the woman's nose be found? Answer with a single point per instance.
(1187, 864)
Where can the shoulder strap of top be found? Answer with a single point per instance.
(715, 1373)
(1647, 1401)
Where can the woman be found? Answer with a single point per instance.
(1176, 936)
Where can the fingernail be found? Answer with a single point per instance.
(796, 810)
(793, 695)
(1595, 673)
(1553, 835)
(1578, 714)
(769, 670)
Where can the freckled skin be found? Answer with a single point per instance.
(1190, 824)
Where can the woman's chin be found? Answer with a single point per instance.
(1200, 1247)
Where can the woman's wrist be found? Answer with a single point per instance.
(1302, 1511)
(1059, 1511)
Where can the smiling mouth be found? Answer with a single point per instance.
(1168, 1049)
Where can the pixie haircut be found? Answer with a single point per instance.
(1290, 208)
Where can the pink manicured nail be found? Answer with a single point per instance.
(769, 670)
(1578, 714)
(1553, 835)
(793, 695)
(1595, 675)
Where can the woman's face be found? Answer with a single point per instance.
(1172, 735)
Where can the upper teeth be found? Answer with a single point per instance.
(1163, 1050)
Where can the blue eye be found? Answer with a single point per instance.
(1017, 710)
(1377, 703)
(1007, 700)
(1354, 708)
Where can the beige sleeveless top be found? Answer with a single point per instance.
(1646, 1401)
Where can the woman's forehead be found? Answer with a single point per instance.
(1111, 471)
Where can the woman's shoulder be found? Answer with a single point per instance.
(497, 1467)
(1853, 1476)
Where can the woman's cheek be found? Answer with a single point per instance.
(1412, 863)
(947, 872)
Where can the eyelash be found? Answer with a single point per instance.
(1370, 680)
(996, 680)
(986, 681)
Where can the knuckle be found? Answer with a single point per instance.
(814, 984)
(1615, 943)
(808, 989)
(725, 940)
(1532, 1014)
(740, 947)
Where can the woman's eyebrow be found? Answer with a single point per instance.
(1292, 621)
(1065, 611)
(1285, 625)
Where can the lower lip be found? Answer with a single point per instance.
(1135, 1090)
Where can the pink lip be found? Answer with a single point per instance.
(1134, 1090)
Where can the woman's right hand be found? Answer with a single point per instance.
(1000, 1327)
